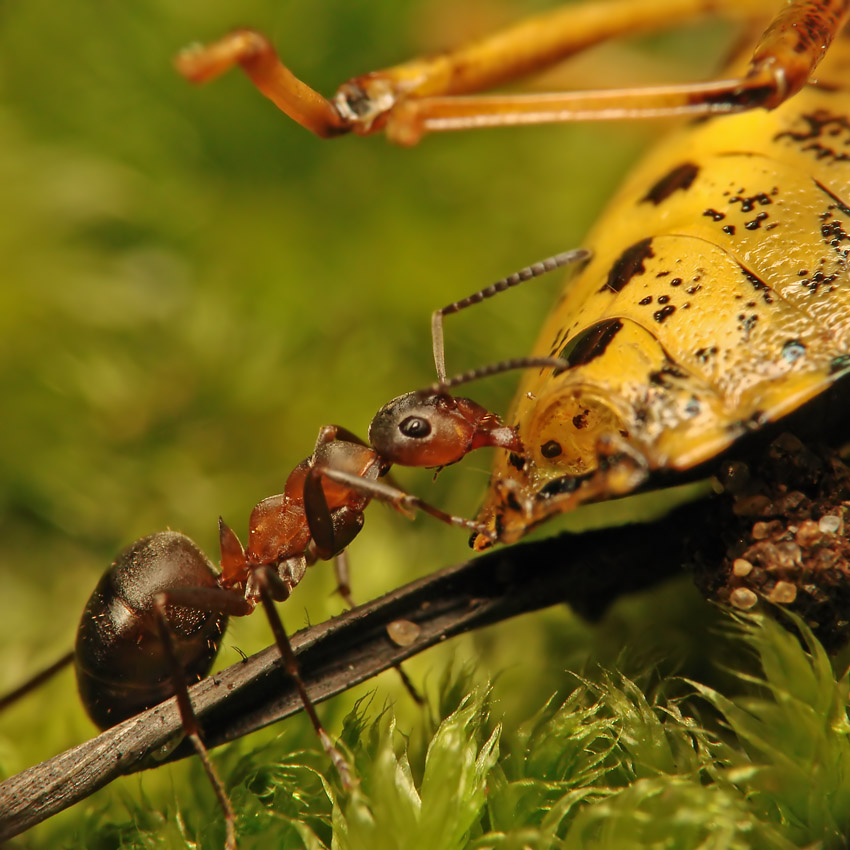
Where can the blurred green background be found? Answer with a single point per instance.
(192, 285)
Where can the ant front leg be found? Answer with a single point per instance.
(335, 513)
(401, 500)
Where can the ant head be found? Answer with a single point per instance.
(433, 428)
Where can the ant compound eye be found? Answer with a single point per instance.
(420, 431)
(415, 426)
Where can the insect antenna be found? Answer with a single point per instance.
(566, 258)
(492, 369)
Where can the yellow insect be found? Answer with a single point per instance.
(716, 298)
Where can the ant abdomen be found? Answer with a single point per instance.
(121, 664)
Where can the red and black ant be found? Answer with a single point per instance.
(155, 621)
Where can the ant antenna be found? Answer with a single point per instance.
(492, 369)
(580, 255)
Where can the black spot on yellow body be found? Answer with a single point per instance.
(755, 224)
(516, 461)
(551, 449)
(747, 323)
(628, 265)
(678, 179)
(819, 125)
(758, 284)
(748, 204)
(664, 313)
(590, 343)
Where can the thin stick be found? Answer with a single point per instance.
(35, 681)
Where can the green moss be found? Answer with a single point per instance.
(609, 766)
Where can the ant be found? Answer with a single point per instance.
(156, 619)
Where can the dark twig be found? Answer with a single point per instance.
(588, 571)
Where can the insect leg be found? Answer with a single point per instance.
(785, 58)
(190, 721)
(343, 580)
(329, 433)
(402, 501)
(265, 580)
(253, 52)
(527, 273)
(364, 103)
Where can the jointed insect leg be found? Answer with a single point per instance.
(265, 582)
(190, 721)
(402, 501)
(437, 93)
(343, 579)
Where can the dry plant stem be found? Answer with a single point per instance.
(587, 571)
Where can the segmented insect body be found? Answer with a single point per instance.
(716, 301)
(119, 655)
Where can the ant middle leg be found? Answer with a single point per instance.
(271, 588)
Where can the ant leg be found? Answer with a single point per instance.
(265, 583)
(343, 579)
(402, 501)
(38, 679)
(527, 273)
(190, 721)
(329, 433)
